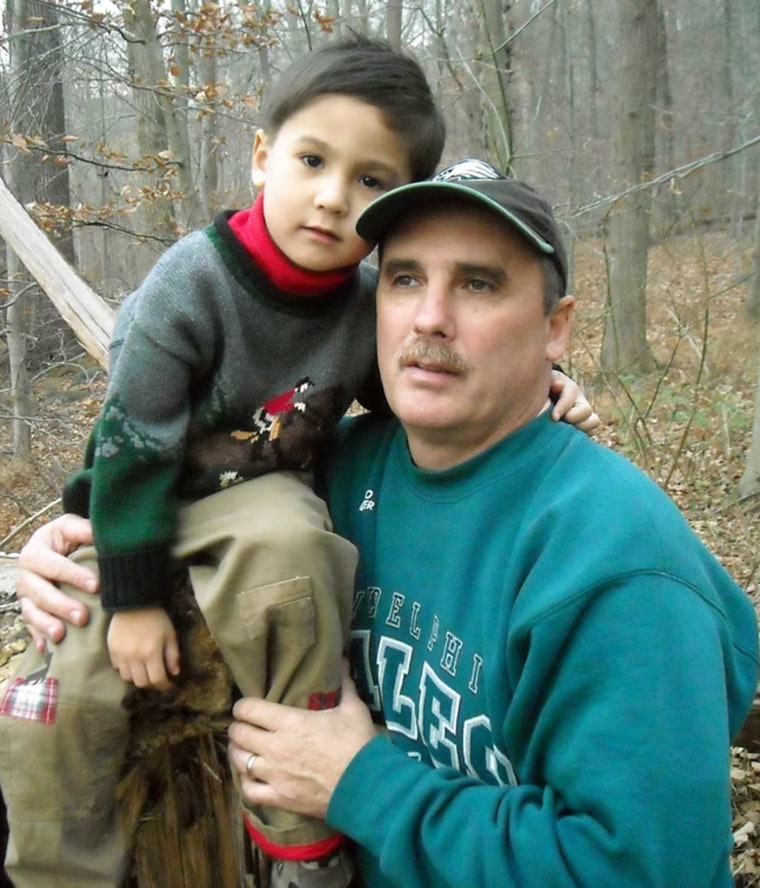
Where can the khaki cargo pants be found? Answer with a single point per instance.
(275, 586)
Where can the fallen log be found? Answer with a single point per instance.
(84, 311)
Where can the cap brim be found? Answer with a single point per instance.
(389, 209)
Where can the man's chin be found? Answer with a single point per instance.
(431, 411)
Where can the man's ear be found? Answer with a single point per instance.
(259, 156)
(559, 324)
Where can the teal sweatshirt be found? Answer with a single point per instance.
(560, 663)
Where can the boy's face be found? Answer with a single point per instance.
(325, 164)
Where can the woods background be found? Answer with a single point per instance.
(124, 125)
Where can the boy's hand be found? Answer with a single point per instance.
(571, 404)
(143, 647)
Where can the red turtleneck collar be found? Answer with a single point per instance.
(251, 231)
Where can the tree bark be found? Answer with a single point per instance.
(393, 23)
(150, 69)
(624, 347)
(37, 111)
(21, 396)
(209, 161)
(749, 483)
(665, 207)
(498, 112)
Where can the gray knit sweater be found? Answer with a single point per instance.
(215, 377)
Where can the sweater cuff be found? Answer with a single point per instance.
(135, 580)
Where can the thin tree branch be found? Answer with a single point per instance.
(678, 173)
(17, 530)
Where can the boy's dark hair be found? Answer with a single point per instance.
(375, 73)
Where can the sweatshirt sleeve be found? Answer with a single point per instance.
(619, 740)
(140, 438)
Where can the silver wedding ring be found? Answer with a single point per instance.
(249, 765)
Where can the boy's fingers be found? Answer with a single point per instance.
(156, 676)
(590, 424)
(171, 656)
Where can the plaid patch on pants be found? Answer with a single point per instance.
(33, 698)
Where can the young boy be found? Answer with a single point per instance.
(233, 361)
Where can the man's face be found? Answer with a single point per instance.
(464, 346)
(321, 169)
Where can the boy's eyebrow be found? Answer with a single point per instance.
(323, 147)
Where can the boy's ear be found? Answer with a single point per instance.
(259, 159)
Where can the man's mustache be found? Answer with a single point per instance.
(435, 355)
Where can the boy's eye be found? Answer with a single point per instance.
(373, 183)
(313, 161)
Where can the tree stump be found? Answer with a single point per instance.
(176, 792)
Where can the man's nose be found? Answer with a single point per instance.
(434, 315)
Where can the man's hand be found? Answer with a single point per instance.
(143, 647)
(42, 564)
(299, 755)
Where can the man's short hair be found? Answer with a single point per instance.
(372, 72)
(554, 287)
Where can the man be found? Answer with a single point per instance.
(559, 663)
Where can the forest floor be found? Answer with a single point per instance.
(687, 424)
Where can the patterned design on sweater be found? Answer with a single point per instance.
(287, 433)
(120, 436)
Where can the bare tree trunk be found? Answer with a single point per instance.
(209, 161)
(21, 394)
(393, 23)
(19, 172)
(155, 213)
(624, 347)
(149, 62)
(594, 89)
(204, 61)
(753, 303)
(574, 131)
(749, 483)
(175, 111)
(495, 81)
(664, 209)
(36, 110)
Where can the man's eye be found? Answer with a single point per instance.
(479, 285)
(404, 280)
(312, 161)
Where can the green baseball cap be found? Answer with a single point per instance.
(519, 204)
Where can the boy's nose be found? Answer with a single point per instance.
(332, 196)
